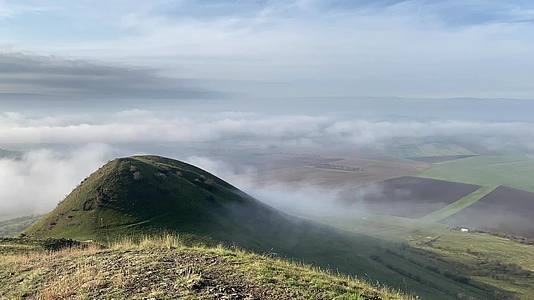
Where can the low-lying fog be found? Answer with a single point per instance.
(244, 147)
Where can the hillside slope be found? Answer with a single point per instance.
(150, 194)
(139, 194)
(164, 268)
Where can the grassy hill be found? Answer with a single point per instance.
(149, 195)
(165, 268)
(142, 194)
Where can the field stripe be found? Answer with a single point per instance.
(458, 205)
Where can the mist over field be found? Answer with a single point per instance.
(193, 78)
(59, 150)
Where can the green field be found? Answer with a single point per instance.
(511, 170)
(432, 149)
(477, 258)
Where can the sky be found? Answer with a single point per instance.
(184, 49)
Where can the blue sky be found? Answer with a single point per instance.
(289, 48)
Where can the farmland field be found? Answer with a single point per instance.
(412, 197)
(334, 173)
(505, 210)
(438, 159)
(459, 205)
(477, 258)
(510, 170)
(429, 149)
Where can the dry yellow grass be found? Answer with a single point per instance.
(164, 267)
(88, 276)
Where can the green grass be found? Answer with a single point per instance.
(164, 267)
(458, 205)
(143, 194)
(170, 196)
(477, 258)
(431, 149)
(513, 171)
(424, 258)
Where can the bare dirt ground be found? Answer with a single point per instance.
(411, 197)
(334, 172)
(505, 210)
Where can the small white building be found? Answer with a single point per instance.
(464, 230)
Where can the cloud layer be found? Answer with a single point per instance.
(41, 178)
(246, 129)
(299, 47)
(52, 78)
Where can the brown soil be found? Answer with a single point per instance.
(505, 210)
(411, 197)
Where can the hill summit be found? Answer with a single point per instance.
(144, 194)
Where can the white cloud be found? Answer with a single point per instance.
(139, 126)
(41, 178)
(412, 49)
(35, 183)
(301, 199)
(12, 8)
